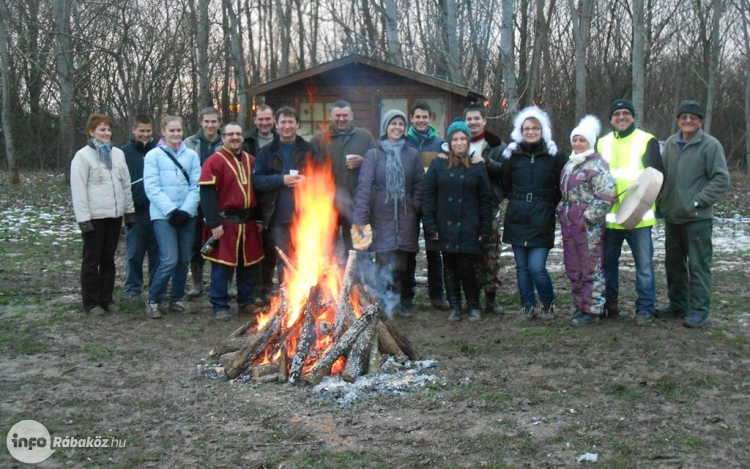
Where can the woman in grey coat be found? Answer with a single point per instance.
(388, 199)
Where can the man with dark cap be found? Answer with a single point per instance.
(695, 178)
(629, 151)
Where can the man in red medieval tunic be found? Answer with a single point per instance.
(228, 202)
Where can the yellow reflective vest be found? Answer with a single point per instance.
(625, 158)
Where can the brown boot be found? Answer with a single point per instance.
(196, 290)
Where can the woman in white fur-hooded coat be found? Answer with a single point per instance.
(530, 177)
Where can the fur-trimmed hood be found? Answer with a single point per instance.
(517, 136)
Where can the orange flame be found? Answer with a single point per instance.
(313, 233)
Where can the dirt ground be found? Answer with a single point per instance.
(508, 393)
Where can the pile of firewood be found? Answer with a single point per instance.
(363, 342)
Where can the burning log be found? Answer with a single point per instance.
(359, 356)
(232, 344)
(323, 367)
(265, 369)
(283, 366)
(344, 313)
(307, 338)
(374, 365)
(249, 351)
(287, 261)
(388, 345)
(403, 343)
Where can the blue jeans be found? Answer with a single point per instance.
(220, 276)
(642, 246)
(174, 258)
(531, 271)
(140, 240)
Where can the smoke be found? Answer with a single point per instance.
(380, 282)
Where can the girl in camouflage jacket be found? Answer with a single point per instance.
(588, 191)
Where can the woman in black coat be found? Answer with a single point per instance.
(457, 211)
(530, 177)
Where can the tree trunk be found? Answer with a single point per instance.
(395, 55)
(581, 17)
(713, 64)
(64, 50)
(283, 11)
(10, 152)
(639, 44)
(507, 56)
(746, 35)
(204, 99)
(238, 63)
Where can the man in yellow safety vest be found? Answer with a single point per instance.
(629, 150)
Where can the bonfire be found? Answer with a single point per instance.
(322, 322)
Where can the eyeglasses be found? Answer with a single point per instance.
(527, 130)
(689, 117)
(624, 113)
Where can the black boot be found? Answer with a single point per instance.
(491, 306)
(453, 291)
(611, 307)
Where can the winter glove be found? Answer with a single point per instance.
(129, 220)
(178, 218)
(86, 226)
(361, 239)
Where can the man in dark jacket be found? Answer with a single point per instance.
(264, 131)
(423, 136)
(695, 178)
(488, 147)
(343, 145)
(277, 171)
(140, 236)
(205, 142)
(256, 138)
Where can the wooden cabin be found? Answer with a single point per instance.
(371, 86)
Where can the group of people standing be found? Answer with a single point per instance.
(236, 190)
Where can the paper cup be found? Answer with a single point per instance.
(349, 157)
(293, 172)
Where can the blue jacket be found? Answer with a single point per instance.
(165, 184)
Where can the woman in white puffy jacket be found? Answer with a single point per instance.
(100, 188)
(170, 177)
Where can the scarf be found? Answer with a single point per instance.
(418, 136)
(479, 137)
(394, 174)
(578, 158)
(103, 151)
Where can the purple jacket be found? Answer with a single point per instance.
(370, 206)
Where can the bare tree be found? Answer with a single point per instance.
(713, 64)
(581, 18)
(390, 16)
(639, 45)
(5, 66)
(507, 56)
(65, 78)
(202, 36)
(238, 62)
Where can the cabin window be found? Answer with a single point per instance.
(313, 117)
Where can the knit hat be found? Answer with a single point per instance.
(517, 135)
(621, 103)
(458, 125)
(388, 117)
(690, 106)
(588, 128)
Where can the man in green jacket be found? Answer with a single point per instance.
(695, 178)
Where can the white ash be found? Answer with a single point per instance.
(404, 379)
